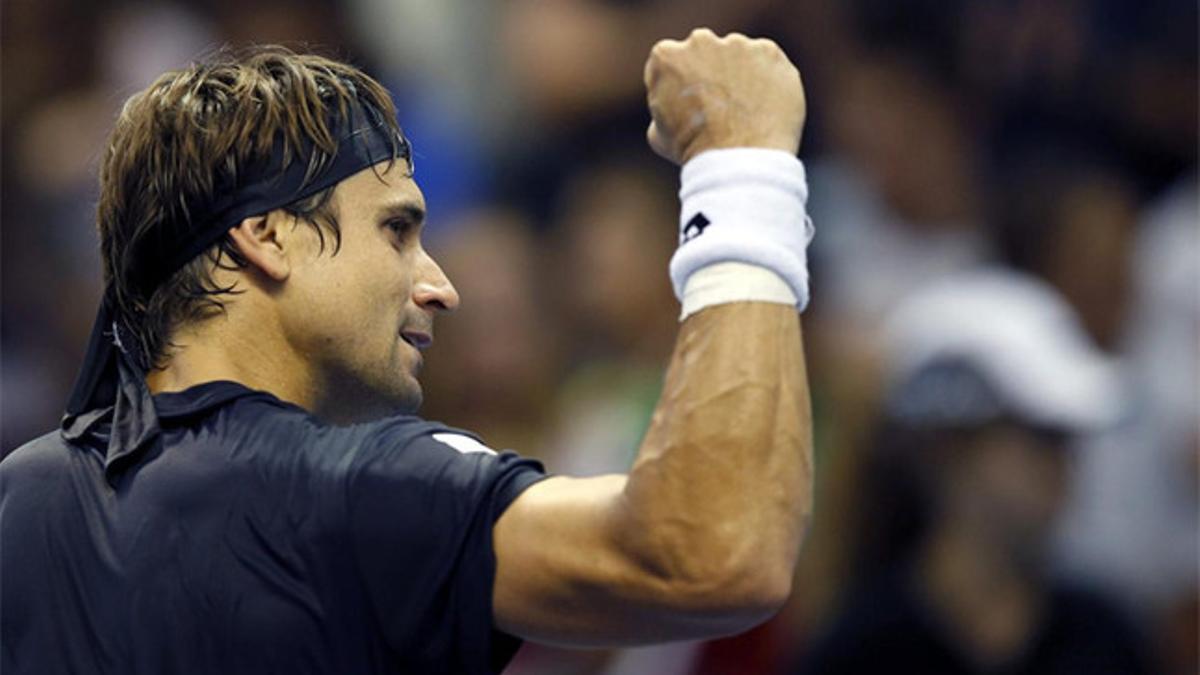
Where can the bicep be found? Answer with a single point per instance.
(564, 576)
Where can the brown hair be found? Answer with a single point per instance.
(193, 130)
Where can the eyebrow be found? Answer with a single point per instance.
(406, 210)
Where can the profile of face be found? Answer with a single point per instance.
(611, 234)
(1008, 483)
(360, 318)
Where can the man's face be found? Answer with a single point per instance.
(1012, 482)
(360, 318)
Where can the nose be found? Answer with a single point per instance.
(433, 289)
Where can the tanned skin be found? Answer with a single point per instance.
(701, 537)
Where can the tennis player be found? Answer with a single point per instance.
(240, 483)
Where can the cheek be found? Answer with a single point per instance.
(376, 294)
(337, 299)
(1027, 483)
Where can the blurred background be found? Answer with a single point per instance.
(1056, 138)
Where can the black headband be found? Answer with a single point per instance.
(364, 139)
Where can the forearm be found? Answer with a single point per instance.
(721, 490)
(701, 537)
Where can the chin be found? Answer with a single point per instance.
(394, 398)
(404, 396)
(366, 401)
(410, 403)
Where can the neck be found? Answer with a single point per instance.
(986, 601)
(218, 349)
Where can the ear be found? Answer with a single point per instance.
(264, 244)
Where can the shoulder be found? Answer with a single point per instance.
(263, 428)
(405, 439)
(875, 615)
(882, 604)
(1092, 611)
(43, 456)
(1087, 622)
(409, 465)
(34, 477)
(402, 460)
(416, 450)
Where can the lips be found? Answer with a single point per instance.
(417, 339)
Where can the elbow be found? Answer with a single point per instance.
(753, 580)
(736, 598)
(725, 581)
(757, 577)
(757, 594)
(773, 592)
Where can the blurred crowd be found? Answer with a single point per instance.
(1051, 144)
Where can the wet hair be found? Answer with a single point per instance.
(187, 136)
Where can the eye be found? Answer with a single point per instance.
(403, 227)
(405, 221)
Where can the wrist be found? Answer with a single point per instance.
(726, 282)
(744, 205)
(783, 143)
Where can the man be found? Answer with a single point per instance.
(239, 484)
(990, 377)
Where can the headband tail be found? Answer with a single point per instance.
(96, 385)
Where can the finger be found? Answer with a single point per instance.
(650, 73)
(657, 143)
(664, 46)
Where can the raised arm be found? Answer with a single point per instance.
(701, 537)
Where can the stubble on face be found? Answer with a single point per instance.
(351, 310)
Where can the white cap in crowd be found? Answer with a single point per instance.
(995, 342)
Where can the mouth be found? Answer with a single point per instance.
(417, 339)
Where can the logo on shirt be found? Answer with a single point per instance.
(695, 227)
(463, 444)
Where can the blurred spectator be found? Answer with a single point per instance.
(575, 58)
(621, 309)
(896, 196)
(612, 242)
(897, 205)
(453, 104)
(1059, 135)
(988, 377)
(49, 215)
(1134, 518)
(497, 360)
(1131, 522)
(1071, 220)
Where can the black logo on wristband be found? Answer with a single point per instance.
(695, 227)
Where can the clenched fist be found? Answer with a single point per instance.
(711, 92)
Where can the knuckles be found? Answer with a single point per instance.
(703, 39)
(685, 75)
(665, 47)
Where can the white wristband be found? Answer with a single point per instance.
(743, 205)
